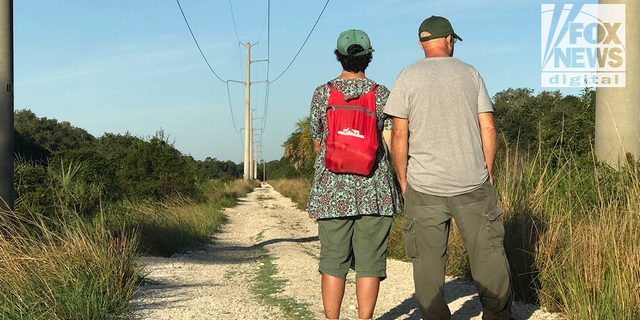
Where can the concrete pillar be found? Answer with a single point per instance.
(255, 161)
(247, 118)
(251, 177)
(6, 105)
(618, 109)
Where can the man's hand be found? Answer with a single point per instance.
(316, 147)
(403, 187)
(399, 149)
(489, 140)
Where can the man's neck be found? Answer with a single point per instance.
(351, 75)
(436, 54)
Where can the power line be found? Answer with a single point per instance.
(264, 23)
(305, 42)
(231, 109)
(196, 41)
(241, 138)
(268, 35)
(233, 17)
(266, 92)
(211, 68)
(235, 28)
(266, 107)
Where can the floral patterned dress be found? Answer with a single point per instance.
(336, 195)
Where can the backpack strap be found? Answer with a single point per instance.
(374, 88)
(330, 85)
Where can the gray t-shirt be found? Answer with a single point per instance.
(441, 97)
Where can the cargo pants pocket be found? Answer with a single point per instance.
(410, 245)
(492, 213)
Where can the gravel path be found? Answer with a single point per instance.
(217, 283)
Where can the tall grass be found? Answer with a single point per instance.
(78, 271)
(588, 256)
(295, 189)
(178, 223)
(70, 266)
(572, 233)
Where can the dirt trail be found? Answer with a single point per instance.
(217, 283)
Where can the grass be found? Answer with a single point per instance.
(262, 197)
(169, 227)
(73, 267)
(267, 289)
(295, 189)
(80, 271)
(310, 252)
(226, 193)
(179, 223)
(572, 233)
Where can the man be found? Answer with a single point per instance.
(444, 144)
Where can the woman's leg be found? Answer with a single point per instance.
(370, 239)
(367, 294)
(332, 293)
(335, 258)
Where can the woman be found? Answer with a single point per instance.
(354, 212)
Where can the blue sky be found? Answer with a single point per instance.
(118, 66)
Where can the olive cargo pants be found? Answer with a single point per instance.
(426, 232)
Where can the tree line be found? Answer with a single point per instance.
(525, 120)
(113, 167)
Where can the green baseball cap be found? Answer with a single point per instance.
(438, 27)
(351, 37)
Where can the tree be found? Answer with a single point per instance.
(38, 138)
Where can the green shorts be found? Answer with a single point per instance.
(358, 242)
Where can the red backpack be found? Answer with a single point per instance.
(352, 139)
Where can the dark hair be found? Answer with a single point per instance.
(351, 62)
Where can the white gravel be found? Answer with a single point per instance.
(215, 283)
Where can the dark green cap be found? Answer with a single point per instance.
(351, 37)
(438, 27)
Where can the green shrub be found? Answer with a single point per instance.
(33, 188)
(152, 169)
(38, 138)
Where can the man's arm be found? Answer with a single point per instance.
(386, 137)
(316, 147)
(399, 149)
(489, 140)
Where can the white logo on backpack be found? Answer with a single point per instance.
(351, 132)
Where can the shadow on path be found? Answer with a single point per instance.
(230, 254)
(169, 293)
(455, 289)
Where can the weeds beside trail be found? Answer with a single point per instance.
(64, 269)
(69, 266)
(572, 233)
(166, 228)
(266, 287)
(295, 189)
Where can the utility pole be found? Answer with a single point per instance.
(6, 105)
(255, 155)
(248, 115)
(255, 164)
(251, 146)
(247, 118)
(264, 168)
(618, 108)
